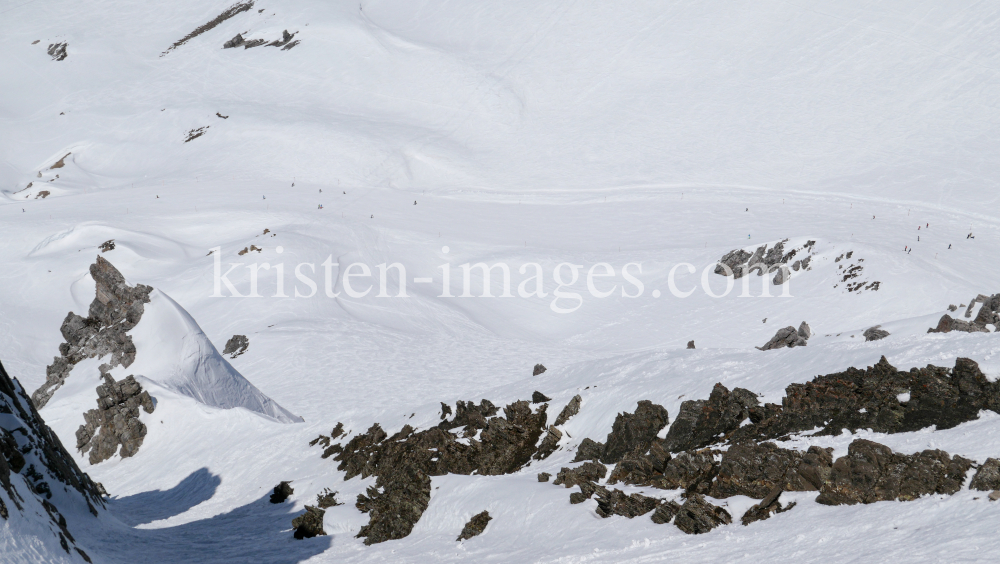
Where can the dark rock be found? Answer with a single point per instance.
(549, 443)
(324, 499)
(538, 370)
(337, 431)
(578, 497)
(690, 344)
(634, 430)
(787, 337)
(875, 334)
(876, 398)
(665, 511)
(691, 471)
(470, 415)
(754, 470)
(225, 15)
(987, 477)
(115, 421)
(281, 492)
(586, 472)
(544, 476)
(734, 260)
(616, 502)
(571, 409)
(28, 447)
(768, 506)
(234, 42)
(445, 411)
(236, 345)
(947, 324)
(57, 51)
(108, 245)
(286, 38)
(698, 516)
(475, 526)
(508, 443)
(309, 524)
(872, 472)
(539, 397)
(700, 423)
(589, 450)
(116, 309)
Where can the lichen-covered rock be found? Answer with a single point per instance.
(872, 472)
(475, 526)
(987, 477)
(116, 309)
(115, 422)
(571, 409)
(236, 345)
(698, 516)
(281, 492)
(700, 423)
(309, 524)
(633, 431)
(875, 333)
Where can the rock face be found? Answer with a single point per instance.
(236, 345)
(789, 337)
(309, 524)
(115, 421)
(116, 309)
(634, 431)
(872, 472)
(987, 478)
(700, 423)
(571, 409)
(875, 334)
(33, 463)
(475, 526)
(281, 492)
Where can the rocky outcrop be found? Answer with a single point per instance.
(589, 450)
(116, 309)
(571, 409)
(539, 397)
(236, 345)
(700, 423)
(281, 492)
(789, 337)
(234, 42)
(698, 516)
(211, 24)
(115, 422)
(872, 472)
(33, 463)
(987, 477)
(327, 498)
(617, 502)
(309, 524)
(549, 443)
(634, 431)
(764, 260)
(767, 507)
(875, 333)
(989, 314)
(475, 526)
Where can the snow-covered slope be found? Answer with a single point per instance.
(437, 133)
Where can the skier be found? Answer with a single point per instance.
(949, 245)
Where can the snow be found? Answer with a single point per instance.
(526, 133)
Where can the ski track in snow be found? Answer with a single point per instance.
(653, 133)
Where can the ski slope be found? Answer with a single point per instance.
(515, 133)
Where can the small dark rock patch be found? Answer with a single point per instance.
(539, 397)
(225, 15)
(108, 245)
(57, 51)
(475, 526)
(309, 524)
(538, 370)
(236, 345)
(571, 409)
(875, 333)
(281, 492)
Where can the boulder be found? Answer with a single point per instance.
(690, 344)
(875, 334)
(698, 516)
(987, 477)
(786, 337)
(281, 492)
(539, 397)
(236, 345)
(475, 526)
(571, 409)
(589, 450)
(634, 430)
(539, 369)
(309, 524)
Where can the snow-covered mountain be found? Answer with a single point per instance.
(269, 174)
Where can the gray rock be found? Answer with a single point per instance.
(571, 409)
(475, 526)
(115, 423)
(236, 345)
(804, 331)
(786, 337)
(57, 51)
(987, 477)
(875, 333)
(690, 344)
(234, 42)
(539, 369)
(116, 309)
